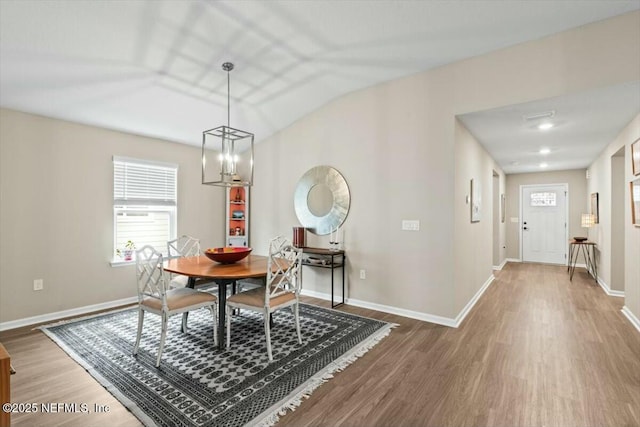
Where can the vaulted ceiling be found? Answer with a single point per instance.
(154, 67)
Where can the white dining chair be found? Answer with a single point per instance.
(183, 246)
(154, 296)
(282, 289)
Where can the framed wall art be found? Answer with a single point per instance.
(594, 208)
(635, 202)
(476, 201)
(635, 157)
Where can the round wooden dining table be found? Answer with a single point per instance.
(253, 266)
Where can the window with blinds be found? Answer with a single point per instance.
(144, 204)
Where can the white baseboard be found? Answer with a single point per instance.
(632, 318)
(513, 260)
(502, 264)
(425, 317)
(608, 290)
(65, 313)
(467, 308)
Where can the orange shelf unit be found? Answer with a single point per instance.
(237, 216)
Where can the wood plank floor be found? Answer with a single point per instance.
(537, 350)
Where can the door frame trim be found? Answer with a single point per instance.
(566, 213)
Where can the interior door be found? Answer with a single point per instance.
(544, 223)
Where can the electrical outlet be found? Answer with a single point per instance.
(38, 284)
(363, 274)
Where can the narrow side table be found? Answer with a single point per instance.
(327, 258)
(588, 250)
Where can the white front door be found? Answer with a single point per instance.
(543, 224)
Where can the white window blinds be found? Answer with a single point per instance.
(140, 182)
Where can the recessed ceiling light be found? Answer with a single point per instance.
(544, 151)
(543, 165)
(539, 116)
(545, 126)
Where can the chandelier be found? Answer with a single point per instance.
(227, 153)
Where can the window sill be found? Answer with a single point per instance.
(121, 263)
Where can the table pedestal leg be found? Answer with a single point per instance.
(222, 303)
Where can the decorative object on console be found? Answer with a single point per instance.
(335, 239)
(230, 151)
(587, 221)
(299, 237)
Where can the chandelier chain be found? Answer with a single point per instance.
(228, 66)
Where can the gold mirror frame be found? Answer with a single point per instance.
(322, 225)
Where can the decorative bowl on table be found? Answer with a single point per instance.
(580, 239)
(227, 255)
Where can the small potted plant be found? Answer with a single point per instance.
(129, 247)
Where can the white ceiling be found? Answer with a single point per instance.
(154, 67)
(584, 124)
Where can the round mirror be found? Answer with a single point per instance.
(322, 200)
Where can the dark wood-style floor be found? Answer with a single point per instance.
(537, 350)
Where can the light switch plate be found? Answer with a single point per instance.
(411, 224)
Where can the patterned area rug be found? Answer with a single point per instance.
(199, 385)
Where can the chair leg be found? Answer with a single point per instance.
(296, 315)
(214, 313)
(140, 322)
(185, 315)
(228, 321)
(163, 335)
(267, 333)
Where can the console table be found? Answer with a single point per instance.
(5, 385)
(588, 249)
(326, 258)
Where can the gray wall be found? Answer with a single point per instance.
(397, 144)
(474, 240)
(602, 177)
(619, 192)
(56, 211)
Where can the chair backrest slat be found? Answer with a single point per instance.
(283, 269)
(150, 274)
(183, 246)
